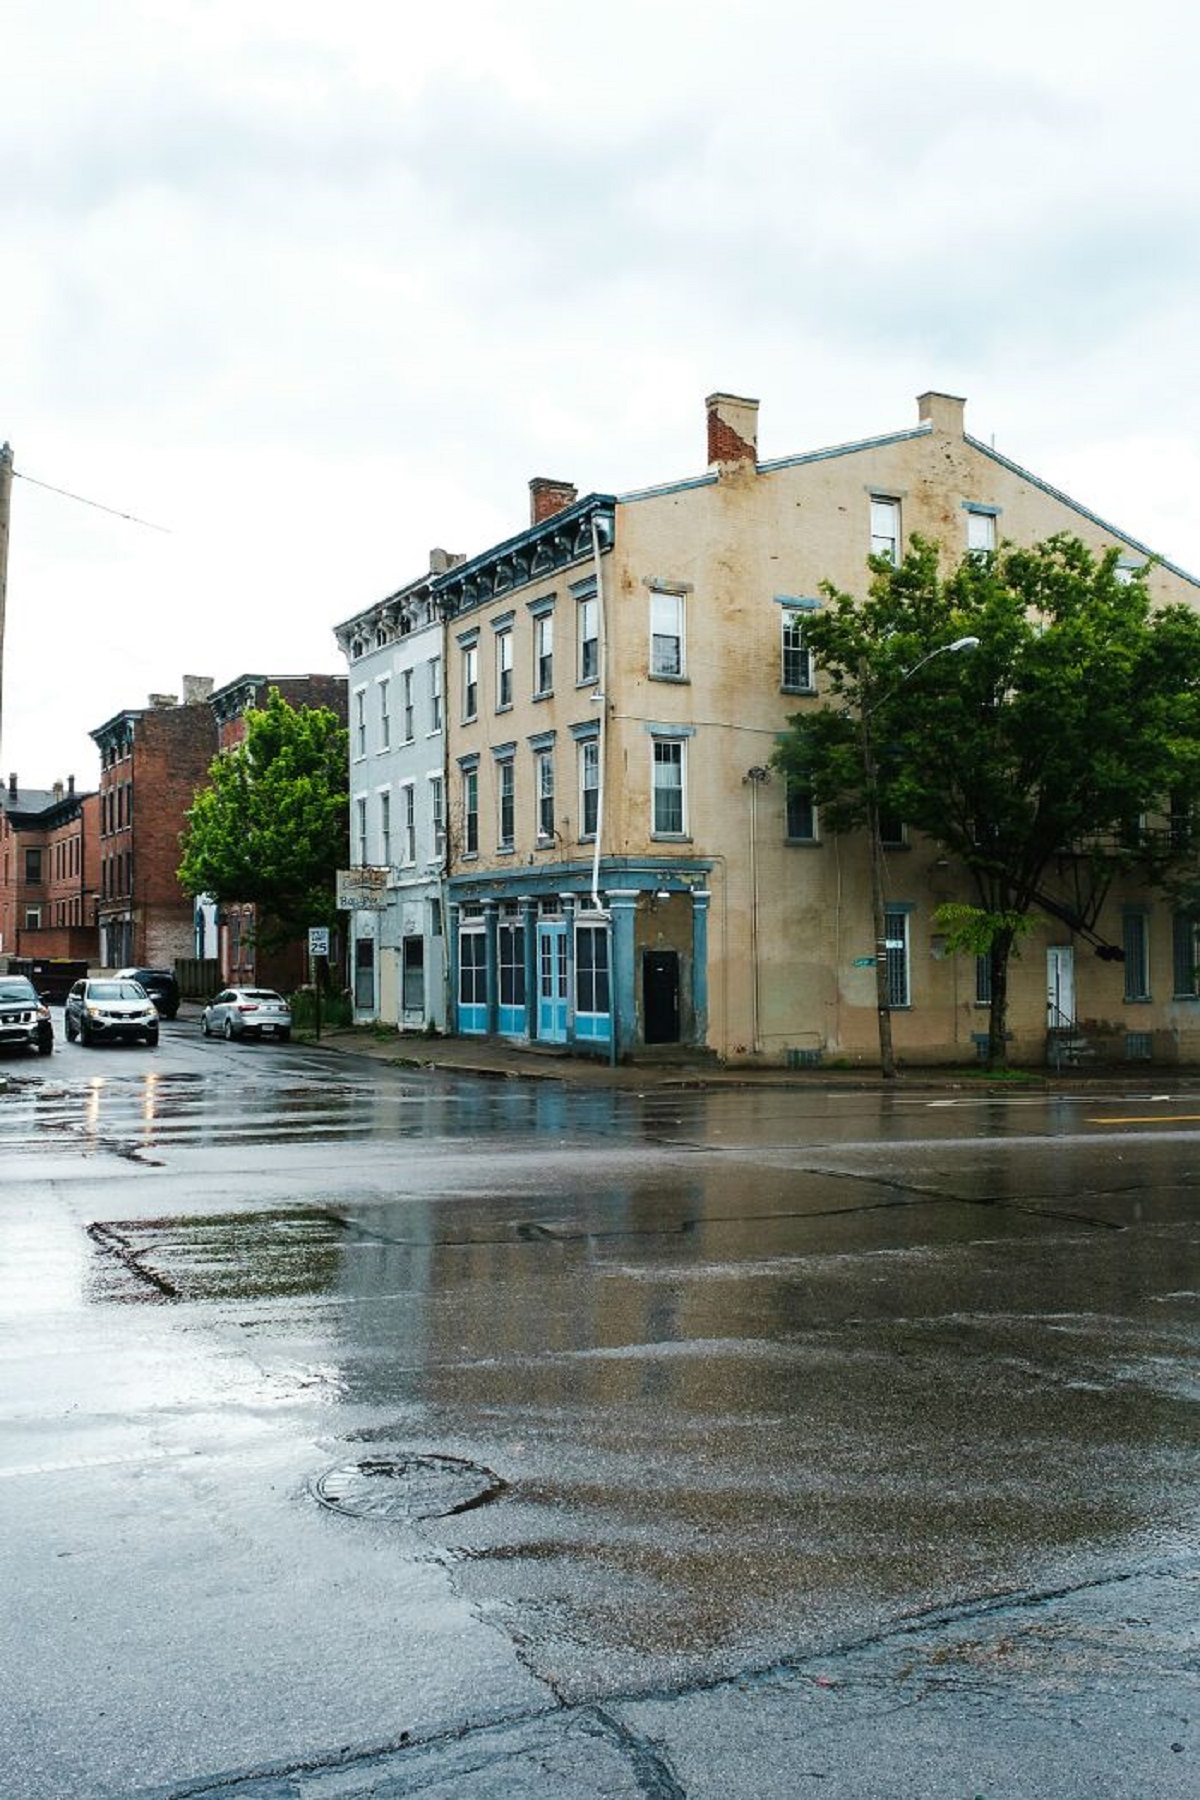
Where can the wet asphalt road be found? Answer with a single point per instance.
(843, 1444)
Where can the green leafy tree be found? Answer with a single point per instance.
(271, 826)
(1041, 751)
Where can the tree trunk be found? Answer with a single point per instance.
(997, 1049)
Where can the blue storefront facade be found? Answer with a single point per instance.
(535, 959)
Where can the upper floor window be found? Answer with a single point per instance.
(543, 654)
(797, 671)
(385, 830)
(360, 814)
(981, 532)
(668, 808)
(885, 527)
(470, 682)
(589, 787)
(360, 723)
(504, 670)
(406, 700)
(666, 634)
(385, 717)
(544, 773)
(33, 865)
(470, 791)
(437, 815)
(506, 796)
(588, 619)
(408, 823)
(435, 693)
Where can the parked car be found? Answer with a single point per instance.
(107, 1009)
(161, 986)
(247, 1012)
(24, 1016)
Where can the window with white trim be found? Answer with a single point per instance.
(506, 803)
(588, 623)
(408, 823)
(543, 654)
(666, 635)
(543, 764)
(435, 693)
(385, 830)
(360, 816)
(360, 722)
(797, 670)
(385, 717)
(981, 532)
(589, 787)
(885, 527)
(669, 811)
(504, 670)
(408, 710)
(470, 682)
(470, 796)
(437, 815)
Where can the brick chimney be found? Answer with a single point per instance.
(12, 790)
(944, 412)
(732, 432)
(57, 791)
(547, 497)
(70, 784)
(196, 689)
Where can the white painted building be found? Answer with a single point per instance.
(398, 803)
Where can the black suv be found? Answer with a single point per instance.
(161, 986)
(24, 1016)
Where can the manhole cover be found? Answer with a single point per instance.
(406, 1487)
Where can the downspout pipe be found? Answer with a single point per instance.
(600, 697)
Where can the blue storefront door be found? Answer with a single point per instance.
(552, 983)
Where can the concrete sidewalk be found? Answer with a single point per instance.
(530, 1062)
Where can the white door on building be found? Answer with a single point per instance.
(1060, 987)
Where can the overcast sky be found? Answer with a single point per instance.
(314, 287)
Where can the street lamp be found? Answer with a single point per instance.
(887, 1055)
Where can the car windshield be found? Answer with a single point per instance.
(115, 990)
(16, 989)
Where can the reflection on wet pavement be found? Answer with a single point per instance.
(735, 1407)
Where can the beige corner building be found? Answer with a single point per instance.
(626, 872)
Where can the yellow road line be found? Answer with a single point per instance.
(1152, 1119)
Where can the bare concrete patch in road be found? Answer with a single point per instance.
(400, 1486)
(280, 1254)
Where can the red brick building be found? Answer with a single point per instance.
(152, 761)
(49, 871)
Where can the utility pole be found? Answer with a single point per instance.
(6, 473)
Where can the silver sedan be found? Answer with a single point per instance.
(244, 1012)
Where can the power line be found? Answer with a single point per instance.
(131, 518)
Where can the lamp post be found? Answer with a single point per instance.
(887, 1055)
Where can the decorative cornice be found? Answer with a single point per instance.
(557, 542)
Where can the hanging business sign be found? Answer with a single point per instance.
(362, 890)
